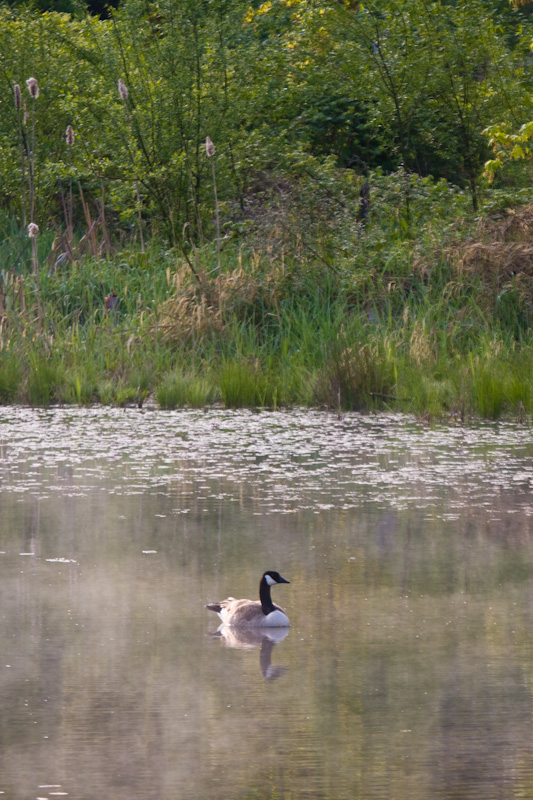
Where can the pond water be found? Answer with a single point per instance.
(408, 669)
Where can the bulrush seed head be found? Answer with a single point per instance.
(122, 90)
(18, 98)
(69, 136)
(209, 147)
(33, 230)
(33, 87)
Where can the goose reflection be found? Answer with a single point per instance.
(251, 638)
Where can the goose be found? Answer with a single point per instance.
(262, 613)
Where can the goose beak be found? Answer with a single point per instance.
(282, 580)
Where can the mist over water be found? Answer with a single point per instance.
(408, 668)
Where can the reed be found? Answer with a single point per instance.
(80, 386)
(68, 203)
(10, 377)
(44, 379)
(179, 389)
(33, 89)
(428, 326)
(106, 392)
(20, 119)
(242, 384)
(210, 152)
(123, 93)
(502, 381)
(364, 369)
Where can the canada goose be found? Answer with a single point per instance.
(262, 613)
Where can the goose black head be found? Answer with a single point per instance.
(272, 577)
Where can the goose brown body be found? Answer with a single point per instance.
(262, 613)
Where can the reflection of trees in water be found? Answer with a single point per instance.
(440, 552)
(481, 738)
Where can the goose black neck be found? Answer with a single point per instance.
(264, 595)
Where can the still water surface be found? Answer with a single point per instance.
(408, 670)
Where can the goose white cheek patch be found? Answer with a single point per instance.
(269, 580)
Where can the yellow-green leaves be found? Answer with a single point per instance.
(507, 146)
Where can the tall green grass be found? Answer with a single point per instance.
(361, 366)
(179, 389)
(388, 322)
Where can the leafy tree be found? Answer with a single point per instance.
(435, 74)
(284, 88)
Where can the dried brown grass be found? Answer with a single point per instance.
(499, 258)
(197, 309)
(503, 248)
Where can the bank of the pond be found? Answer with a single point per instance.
(437, 325)
(346, 360)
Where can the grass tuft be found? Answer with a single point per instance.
(10, 377)
(358, 377)
(184, 389)
(44, 377)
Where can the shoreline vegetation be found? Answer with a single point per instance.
(443, 331)
(204, 207)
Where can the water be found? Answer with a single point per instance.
(408, 669)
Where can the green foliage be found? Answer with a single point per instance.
(78, 292)
(44, 376)
(488, 391)
(10, 376)
(502, 379)
(106, 392)
(507, 147)
(428, 391)
(434, 69)
(244, 384)
(358, 374)
(414, 340)
(272, 84)
(320, 299)
(178, 389)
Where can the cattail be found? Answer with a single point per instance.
(210, 150)
(33, 87)
(209, 147)
(33, 230)
(122, 90)
(69, 135)
(18, 98)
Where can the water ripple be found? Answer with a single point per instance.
(293, 459)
